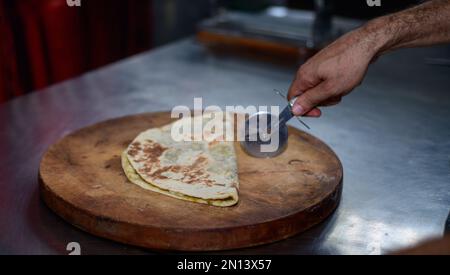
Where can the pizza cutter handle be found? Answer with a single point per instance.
(291, 104)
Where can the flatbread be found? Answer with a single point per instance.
(196, 171)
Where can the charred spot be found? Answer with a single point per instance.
(133, 152)
(191, 174)
(159, 173)
(190, 180)
(134, 149)
(152, 152)
(146, 169)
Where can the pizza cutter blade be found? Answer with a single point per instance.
(266, 134)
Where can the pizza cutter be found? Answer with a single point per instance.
(266, 134)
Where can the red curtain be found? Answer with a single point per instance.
(45, 41)
(10, 83)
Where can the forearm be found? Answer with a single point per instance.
(338, 68)
(423, 25)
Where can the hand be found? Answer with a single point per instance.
(332, 73)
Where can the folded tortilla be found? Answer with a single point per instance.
(197, 171)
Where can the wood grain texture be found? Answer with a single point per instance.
(82, 180)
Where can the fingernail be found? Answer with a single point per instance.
(297, 110)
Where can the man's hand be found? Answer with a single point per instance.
(332, 73)
(336, 70)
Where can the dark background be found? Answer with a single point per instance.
(45, 41)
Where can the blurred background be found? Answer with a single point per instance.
(44, 41)
(392, 136)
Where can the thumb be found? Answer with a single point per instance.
(310, 99)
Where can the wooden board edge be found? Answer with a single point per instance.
(170, 241)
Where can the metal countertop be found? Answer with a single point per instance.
(392, 135)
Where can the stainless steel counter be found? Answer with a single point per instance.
(392, 135)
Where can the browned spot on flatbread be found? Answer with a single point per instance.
(152, 152)
(192, 174)
(134, 149)
(149, 153)
(158, 174)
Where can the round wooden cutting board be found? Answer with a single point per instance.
(82, 180)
